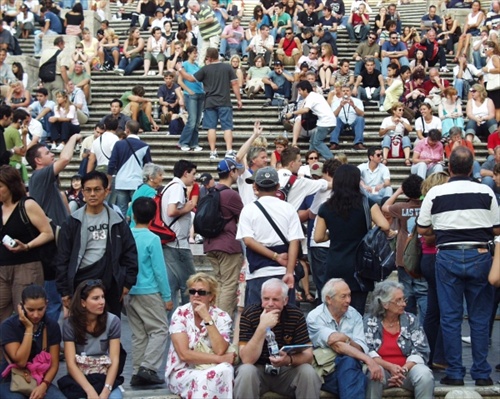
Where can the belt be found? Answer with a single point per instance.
(463, 246)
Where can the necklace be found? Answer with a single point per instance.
(39, 331)
(391, 324)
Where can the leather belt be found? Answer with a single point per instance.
(463, 246)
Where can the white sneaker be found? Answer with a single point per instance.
(119, 71)
(151, 73)
(197, 148)
(368, 93)
(382, 109)
(466, 340)
(185, 148)
(341, 27)
(59, 147)
(230, 154)
(213, 156)
(443, 69)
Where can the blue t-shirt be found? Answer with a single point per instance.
(195, 87)
(388, 46)
(168, 94)
(278, 79)
(55, 22)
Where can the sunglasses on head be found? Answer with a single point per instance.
(199, 292)
(93, 283)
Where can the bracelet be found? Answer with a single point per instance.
(28, 333)
(275, 256)
(27, 247)
(46, 383)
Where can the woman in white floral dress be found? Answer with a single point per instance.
(198, 363)
(397, 343)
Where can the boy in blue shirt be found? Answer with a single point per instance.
(149, 299)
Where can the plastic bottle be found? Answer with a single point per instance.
(156, 110)
(272, 345)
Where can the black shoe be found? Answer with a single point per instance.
(267, 103)
(149, 376)
(484, 382)
(136, 381)
(497, 367)
(452, 381)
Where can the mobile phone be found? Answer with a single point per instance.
(24, 310)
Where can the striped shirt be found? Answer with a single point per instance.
(460, 211)
(290, 330)
(211, 29)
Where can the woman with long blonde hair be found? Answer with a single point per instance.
(326, 65)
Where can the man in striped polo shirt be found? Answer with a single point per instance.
(463, 215)
(210, 29)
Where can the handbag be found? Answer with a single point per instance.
(93, 364)
(413, 254)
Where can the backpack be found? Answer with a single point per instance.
(413, 254)
(309, 121)
(208, 219)
(47, 71)
(157, 225)
(282, 193)
(375, 257)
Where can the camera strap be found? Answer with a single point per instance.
(346, 113)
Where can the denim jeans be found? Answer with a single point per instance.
(122, 199)
(363, 33)
(386, 142)
(415, 289)
(318, 267)
(317, 141)
(358, 126)
(129, 65)
(432, 326)
(462, 86)
(479, 61)
(462, 273)
(348, 379)
(285, 90)
(39, 40)
(54, 304)
(375, 95)
(194, 107)
(377, 197)
(234, 49)
(423, 171)
(386, 60)
(483, 130)
(62, 131)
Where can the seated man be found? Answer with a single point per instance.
(434, 53)
(278, 81)
(307, 18)
(433, 88)
(169, 95)
(349, 112)
(261, 44)
(393, 49)
(232, 37)
(281, 21)
(289, 48)
(370, 85)
(77, 98)
(116, 111)
(375, 176)
(368, 50)
(358, 25)
(139, 108)
(337, 326)
(42, 109)
(324, 36)
(431, 21)
(81, 79)
(464, 76)
(487, 169)
(286, 374)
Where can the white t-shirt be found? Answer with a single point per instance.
(102, 147)
(244, 189)
(301, 188)
(400, 129)
(175, 194)
(319, 199)
(318, 105)
(424, 127)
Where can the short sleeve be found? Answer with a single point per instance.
(114, 329)
(178, 323)
(68, 332)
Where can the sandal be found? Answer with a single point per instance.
(309, 298)
(407, 162)
(298, 296)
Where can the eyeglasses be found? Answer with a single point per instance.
(311, 158)
(289, 33)
(199, 292)
(400, 302)
(96, 190)
(378, 155)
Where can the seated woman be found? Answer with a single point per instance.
(18, 71)
(91, 338)
(256, 73)
(18, 96)
(419, 62)
(235, 62)
(450, 111)
(64, 123)
(481, 114)
(394, 126)
(474, 21)
(451, 33)
(155, 52)
(394, 85)
(327, 63)
(426, 122)
(27, 336)
(200, 340)
(414, 94)
(428, 155)
(109, 49)
(79, 55)
(74, 194)
(397, 343)
(133, 50)
(73, 20)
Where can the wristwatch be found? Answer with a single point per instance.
(110, 387)
(207, 323)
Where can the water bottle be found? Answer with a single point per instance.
(156, 110)
(272, 345)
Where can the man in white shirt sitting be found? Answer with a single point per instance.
(375, 176)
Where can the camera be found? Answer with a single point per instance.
(346, 97)
(271, 370)
(9, 241)
(347, 129)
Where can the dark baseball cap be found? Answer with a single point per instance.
(205, 178)
(264, 177)
(278, 63)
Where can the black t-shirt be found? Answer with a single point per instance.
(3, 149)
(370, 80)
(309, 20)
(148, 8)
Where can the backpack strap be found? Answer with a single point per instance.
(161, 197)
(368, 218)
(273, 224)
(133, 152)
(53, 58)
(288, 186)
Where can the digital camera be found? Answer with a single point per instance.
(271, 370)
(9, 241)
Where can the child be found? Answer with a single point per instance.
(281, 143)
(149, 299)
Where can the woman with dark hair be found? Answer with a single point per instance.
(28, 336)
(155, 51)
(74, 194)
(20, 263)
(74, 20)
(397, 343)
(342, 220)
(395, 85)
(133, 50)
(18, 71)
(91, 338)
(260, 17)
(492, 74)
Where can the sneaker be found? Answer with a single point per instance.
(381, 109)
(251, 92)
(197, 148)
(213, 156)
(149, 376)
(230, 154)
(119, 71)
(151, 73)
(444, 69)
(163, 119)
(198, 239)
(59, 147)
(185, 148)
(341, 27)
(466, 340)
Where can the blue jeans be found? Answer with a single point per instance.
(179, 267)
(285, 90)
(423, 171)
(375, 95)
(130, 65)
(363, 33)
(52, 392)
(460, 85)
(386, 60)
(348, 379)
(358, 126)
(415, 289)
(317, 141)
(233, 48)
(386, 142)
(318, 267)
(479, 61)
(194, 107)
(385, 192)
(459, 273)
(122, 199)
(432, 326)
(39, 40)
(483, 130)
(54, 305)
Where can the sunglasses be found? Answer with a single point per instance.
(378, 155)
(199, 292)
(289, 33)
(311, 158)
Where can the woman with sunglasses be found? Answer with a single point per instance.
(91, 338)
(393, 126)
(481, 114)
(25, 335)
(397, 343)
(198, 363)
(492, 78)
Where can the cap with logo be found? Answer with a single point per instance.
(205, 178)
(227, 165)
(316, 169)
(264, 177)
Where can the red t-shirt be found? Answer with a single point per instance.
(288, 46)
(390, 351)
(493, 140)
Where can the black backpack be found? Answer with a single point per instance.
(47, 71)
(208, 219)
(309, 121)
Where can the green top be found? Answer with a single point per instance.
(208, 30)
(13, 139)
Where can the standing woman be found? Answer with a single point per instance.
(133, 50)
(20, 265)
(194, 96)
(492, 77)
(90, 333)
(26, 335)
(64, 123)
(341, 219)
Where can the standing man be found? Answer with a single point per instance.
(268, 256)
(176, 213)
(291, 375)
(126, 162)
(224, 252)
(44, 188)
(375, 176)
(336, 325)
(464, 218)
(62, 66)
(102, 147)
(209, 27)
(218, 79)
(96, 243)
